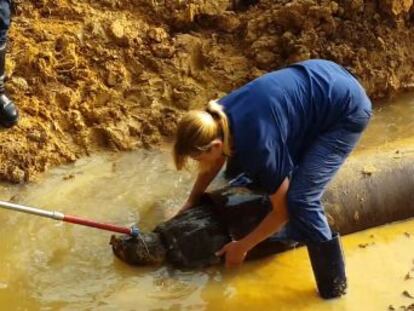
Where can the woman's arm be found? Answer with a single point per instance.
(274, 221)
(203, 179)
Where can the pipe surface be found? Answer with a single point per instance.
(372, 189)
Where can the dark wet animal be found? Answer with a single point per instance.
(190, 239)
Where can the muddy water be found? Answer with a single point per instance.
(48, 265)
(390, 122)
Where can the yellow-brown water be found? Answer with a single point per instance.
(48, 265)
(391, 122)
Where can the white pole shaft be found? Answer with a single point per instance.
(32, 210)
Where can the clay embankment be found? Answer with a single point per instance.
(97, 74)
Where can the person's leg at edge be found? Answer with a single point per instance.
(8, 110)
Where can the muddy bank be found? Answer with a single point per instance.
(99, 74)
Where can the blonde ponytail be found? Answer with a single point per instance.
(196, 131)
(218, 114)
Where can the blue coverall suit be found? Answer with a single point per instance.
(5, 6)
(299, 122)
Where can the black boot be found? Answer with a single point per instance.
(8, 111)
(328, 267)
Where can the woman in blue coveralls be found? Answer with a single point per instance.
(8, 111)
(287, 132)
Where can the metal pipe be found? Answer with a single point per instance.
(372, 189)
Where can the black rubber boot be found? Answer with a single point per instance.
(328, 267)
(8, 110)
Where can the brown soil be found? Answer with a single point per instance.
(89, 75)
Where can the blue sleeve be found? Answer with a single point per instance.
(273, 166)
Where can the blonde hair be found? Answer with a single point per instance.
(197, 130)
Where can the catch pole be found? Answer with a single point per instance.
(133, 231)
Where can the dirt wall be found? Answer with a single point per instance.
(89, 75)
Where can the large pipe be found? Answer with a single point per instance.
(372, 189)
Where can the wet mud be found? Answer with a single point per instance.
(97, 74)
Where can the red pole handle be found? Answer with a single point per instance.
(103, 226)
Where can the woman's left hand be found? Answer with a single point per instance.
(235, 253)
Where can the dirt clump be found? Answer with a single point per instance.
(97, 74)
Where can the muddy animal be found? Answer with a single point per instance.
(190, 239)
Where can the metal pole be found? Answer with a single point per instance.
(133, 231)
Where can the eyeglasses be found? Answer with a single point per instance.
(205, 147)
(201, 149)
